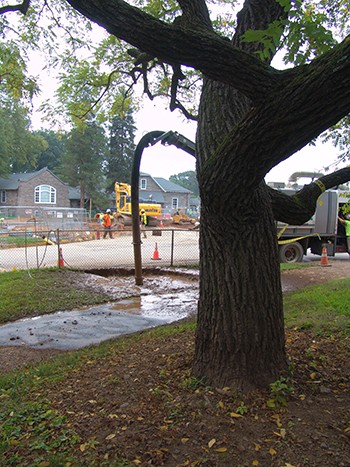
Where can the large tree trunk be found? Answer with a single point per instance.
(240, 332)
(240, 336)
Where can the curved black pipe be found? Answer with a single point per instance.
(146, 140)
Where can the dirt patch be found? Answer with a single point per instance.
(315, 274)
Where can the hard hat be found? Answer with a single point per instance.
(142, 211)
(108, 210)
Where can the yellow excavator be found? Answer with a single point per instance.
(123, 204)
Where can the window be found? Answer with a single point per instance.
(143, 183)
(3, 197)
(175, 203)
(45, 194)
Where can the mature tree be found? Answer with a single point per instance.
(19, 147)
(187, 180)
(81, 164)
(50, 156)
(251, 117)
(121, 149)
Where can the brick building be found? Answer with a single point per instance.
(170, 195)
(41, 189)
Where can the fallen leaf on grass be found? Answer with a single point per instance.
(111, 436)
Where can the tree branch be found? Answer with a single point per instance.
(21, 7)
(198, 48)
(195, 13)
(300, 207)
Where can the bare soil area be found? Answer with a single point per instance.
(141, 404)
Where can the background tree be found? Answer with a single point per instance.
(121, 150)
(82, 163)
(50, 157)
(19, 147)
(251, 117)
(187, 180)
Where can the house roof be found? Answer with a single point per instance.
(73, 192)
(12, 181)
(152, 197)
(166, 185)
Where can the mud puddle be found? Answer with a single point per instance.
(161, 300)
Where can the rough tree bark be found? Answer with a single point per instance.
(251, 118)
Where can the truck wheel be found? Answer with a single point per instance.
(291, 253)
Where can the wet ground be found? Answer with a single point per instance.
(163, 298)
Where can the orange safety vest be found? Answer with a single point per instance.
(106, 220)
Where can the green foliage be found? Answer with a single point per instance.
(19, 147)
(86, 152)
(14, 81)
(193, 383)
(121, 150)
(306, 33)
(186, 180)
(242, 409)
(280, 390)
(50, 156)
(339, 135)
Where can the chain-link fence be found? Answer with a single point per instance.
(20, 218)
(86, 250)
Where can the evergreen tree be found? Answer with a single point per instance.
(81, 163)
(121, 150)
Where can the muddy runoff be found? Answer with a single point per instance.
(163, 298)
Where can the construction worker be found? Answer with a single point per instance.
(346, 224)
(107, 224)
(143, 222)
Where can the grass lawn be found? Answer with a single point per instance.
(29, 293)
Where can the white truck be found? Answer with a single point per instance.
(322, 230)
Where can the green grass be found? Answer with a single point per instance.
(20, 241)
(29, 293)
(323, 308)
(289, 266)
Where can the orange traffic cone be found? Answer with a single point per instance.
(324, 257)
(60, 260)
(156, 254)
(161, 224)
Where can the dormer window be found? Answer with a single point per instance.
(45, 194)
(143, 184)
